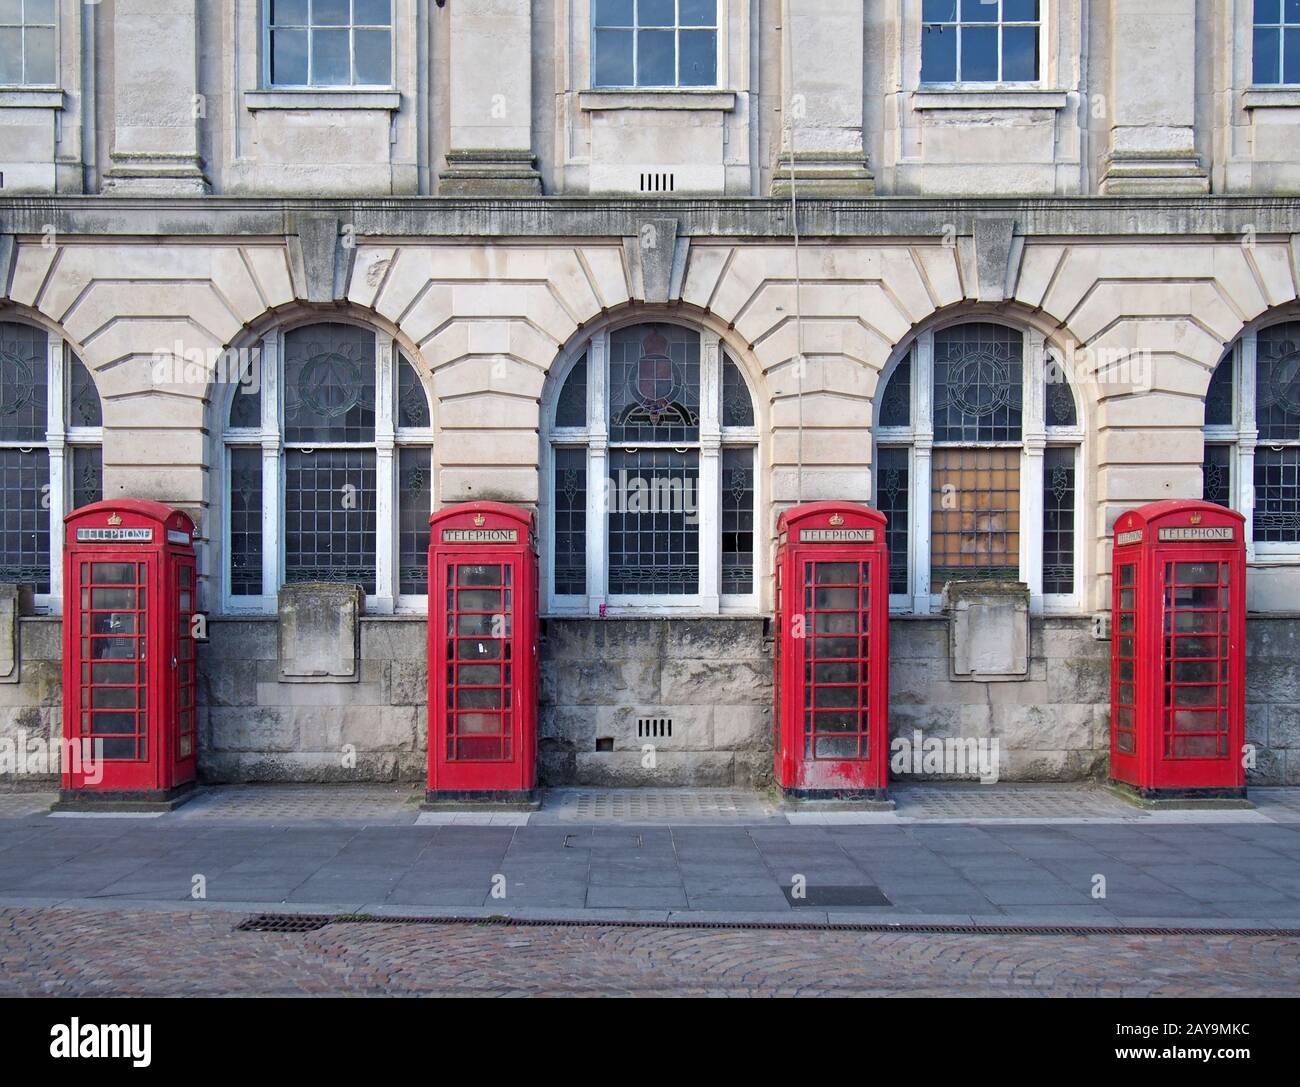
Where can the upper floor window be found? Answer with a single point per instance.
(50, 433)
(1277, 42)
(654, 43)
(27, 43)
(976, 465)
(653, 446)
(1252, 436)
(329, 43)
(979, 41)
(329, 470)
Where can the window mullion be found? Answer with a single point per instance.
(385, 476)
(1242, 483)
(55, 437)
(597, 472)
(710, 478)
(923, 445)
(1033, 435)
(272, 488)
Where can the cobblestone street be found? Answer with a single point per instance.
(61, 952)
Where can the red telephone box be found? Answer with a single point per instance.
(482, 656)
(1178, 651)
(128, 655)
(832, 652)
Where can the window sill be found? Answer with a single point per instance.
(991, 97)
(1270, 97)
(650, 98)
(323, 99)
(30, 98)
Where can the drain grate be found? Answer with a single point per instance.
(274, 922)
(284, 922)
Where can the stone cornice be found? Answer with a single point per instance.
(568, 217)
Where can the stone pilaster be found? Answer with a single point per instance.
(822, 130)
(490, 152)
(157, 105)
(1153, 100)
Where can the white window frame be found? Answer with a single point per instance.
(350, 26)
(999, 23)
(23, 25)
(389, 440)
(1035, 438)
(718, 28)
(594, 437)
(1243, 436)
(60, 440)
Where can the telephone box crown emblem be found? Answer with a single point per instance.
(114, 519)
(479, 520)
(836, 519)
(1195, 518)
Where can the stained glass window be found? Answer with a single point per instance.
(968, 524)
(1058, 520)
(652, 539)
(977, 383)
(245, 522)
(415, 498)
(1268, 359)
(893, 498)
(570, 519)
(323, 490)
(40, 375)
(654, 384)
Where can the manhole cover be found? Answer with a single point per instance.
(823, 896)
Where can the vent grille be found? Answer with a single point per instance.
(654, 728)
(661, 182)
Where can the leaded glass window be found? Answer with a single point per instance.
(977, 383)
(345, 506)
(1059, 504)
(664, 419)
(953, 474)
(48, 405)
(893, 495)
(1255, 391)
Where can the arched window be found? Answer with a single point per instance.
(50, 435)
(1252, 436)
(663, 418)
(977, 437)
(328, 469)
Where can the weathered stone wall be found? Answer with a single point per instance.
(1273, 699)
(712, 677)
(253, 727)
(31, 706)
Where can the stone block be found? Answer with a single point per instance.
(672, 769)
(1283, 726)
(409, 685)
(320, 632)
(8, 634)
(695, 682)
(988, 629)
(745, 729)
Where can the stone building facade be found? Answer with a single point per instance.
(1004, 271)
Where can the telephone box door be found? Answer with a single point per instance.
(833, 652)
(1178, 651)
(129, 671)
(482, 656)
